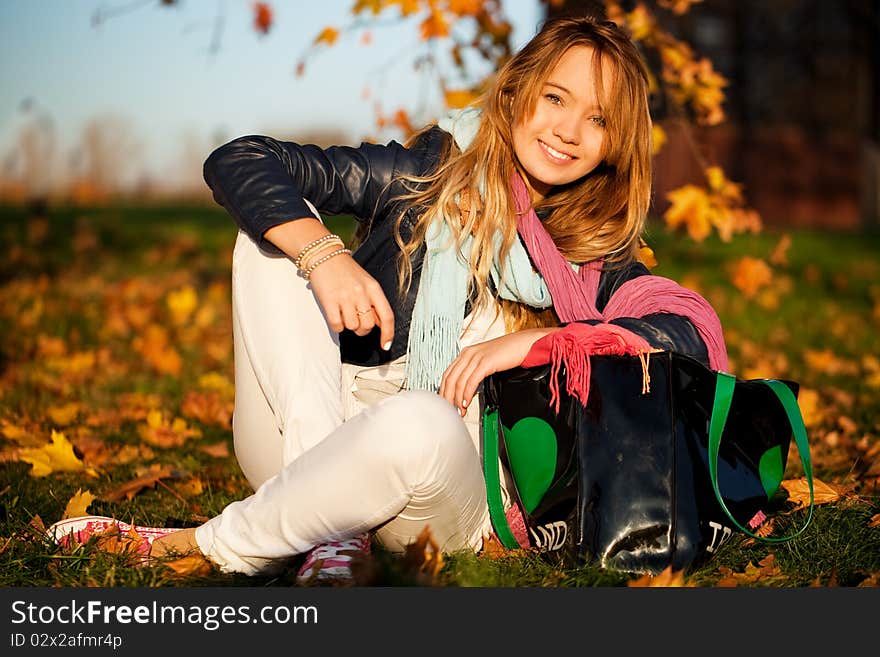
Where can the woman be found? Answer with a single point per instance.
(340, 356)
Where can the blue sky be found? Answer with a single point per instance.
(152, 68)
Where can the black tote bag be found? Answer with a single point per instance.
(665, 461)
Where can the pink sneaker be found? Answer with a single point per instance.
(332, 561)
(127, 538)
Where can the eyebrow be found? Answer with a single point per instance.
(558, 86)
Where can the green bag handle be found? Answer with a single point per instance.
(492, 474)
(724, 387)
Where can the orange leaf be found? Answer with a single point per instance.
(262, 17)
(207, 408)
(779, 256)
(328, 35)
(434, 26)
(799, 492)
(218, 450)
(492, 548)
(131, 488)
(666, 578)
(751, 274)
(423, 556)
(457, 98)
(465, 7)
(191, 565)
(875, 520)
(161, 432)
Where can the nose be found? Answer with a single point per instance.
(566, 128)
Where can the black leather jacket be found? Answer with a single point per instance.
(262, 182)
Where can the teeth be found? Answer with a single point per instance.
(556, 153)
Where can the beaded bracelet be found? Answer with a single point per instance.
(311, 246)
(313, 253)
(323, 259)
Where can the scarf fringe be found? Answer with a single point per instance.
(571, 348)
(438, 340)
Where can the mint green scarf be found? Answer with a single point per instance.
(438, 314)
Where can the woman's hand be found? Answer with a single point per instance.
(475, 363)
(349, 296)
(352, 299)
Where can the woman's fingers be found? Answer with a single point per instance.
(352, 299)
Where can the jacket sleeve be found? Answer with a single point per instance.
(667, 331)
(263, 182)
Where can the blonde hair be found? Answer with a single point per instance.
(599, 215)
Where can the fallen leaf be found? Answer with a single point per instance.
(799, 492)
(750, 275)
(63, 415)
(193, 565)
(218, 450)
(779, 256)
(875, 520)
(78, 504)
(208, 408)
(21, 435)
(423, 557)
(57, 456)
(161, 432)
(492, 548)
(666, 578)
(131, 488)
(191, 487)
(871, 580)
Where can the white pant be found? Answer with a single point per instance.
(329, 457)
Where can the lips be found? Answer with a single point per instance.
(555, 155)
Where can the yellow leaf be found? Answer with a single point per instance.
(57, 456)
(181, 304)
(690, 205)
(218, 382)
(658, 138)
(641, 23)
(20, 435)
(63, 415)
(810, 405)
(78, 504)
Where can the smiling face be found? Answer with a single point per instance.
(562, 139)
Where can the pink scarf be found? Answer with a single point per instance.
(574, 298)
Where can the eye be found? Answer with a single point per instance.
(553, 98)
(598, 120)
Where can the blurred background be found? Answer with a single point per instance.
(111, 99)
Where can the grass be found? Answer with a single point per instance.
(111, 314)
